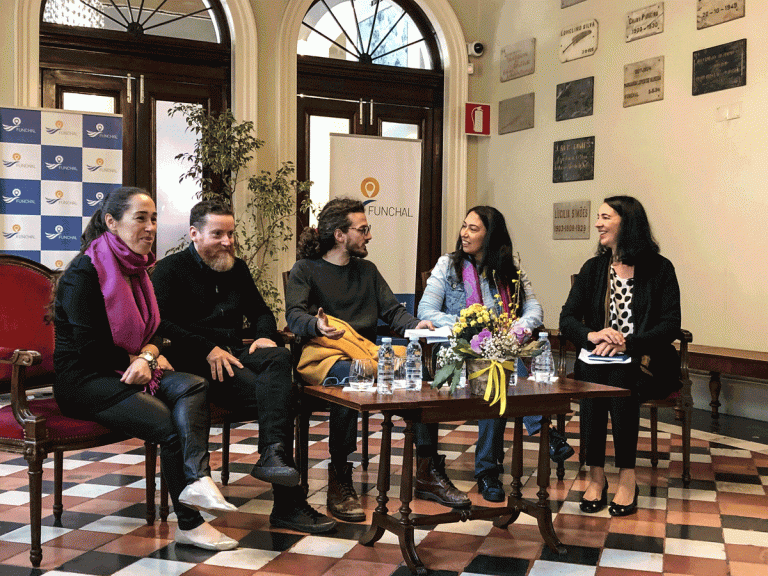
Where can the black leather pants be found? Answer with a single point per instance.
(177, 418)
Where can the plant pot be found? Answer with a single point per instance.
(478, 384)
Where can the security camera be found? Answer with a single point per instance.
(475, 48)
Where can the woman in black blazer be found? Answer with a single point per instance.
(624, 302)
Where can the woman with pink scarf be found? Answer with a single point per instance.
(109, 368)
(483, 270)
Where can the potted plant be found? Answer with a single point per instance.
(224, 149)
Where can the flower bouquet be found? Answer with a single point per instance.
(482, 333)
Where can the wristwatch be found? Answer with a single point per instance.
(150, 358)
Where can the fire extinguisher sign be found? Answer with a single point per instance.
(477, 119)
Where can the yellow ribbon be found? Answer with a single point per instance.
(496, 382)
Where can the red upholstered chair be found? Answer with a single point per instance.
(35, 428)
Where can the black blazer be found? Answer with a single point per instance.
(655, 307)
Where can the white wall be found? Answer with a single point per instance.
(702, 182)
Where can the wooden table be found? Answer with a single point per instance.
(433, 406)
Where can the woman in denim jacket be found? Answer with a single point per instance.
(484, 253)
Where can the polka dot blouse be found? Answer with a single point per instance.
(621, 298)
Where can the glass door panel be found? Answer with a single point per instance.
(320, 130)
(88, 102)
(174, 199)
(400, 130)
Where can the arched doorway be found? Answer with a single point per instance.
(372, 68)
(135, 61)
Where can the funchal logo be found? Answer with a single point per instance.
(16, 159)
(58, 164)
(59, 195)
(16, 228)
(59, 125)
(369, 187)
(99, 198)
(58, 232)
(99, 164)
(17, 127)
(59, 263)
(16, 197)
(99, 133)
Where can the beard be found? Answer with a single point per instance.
(361, 251)
(222, 261)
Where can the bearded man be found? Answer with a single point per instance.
(204, 294)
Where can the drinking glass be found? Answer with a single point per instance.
(399, 381)
(361, 374)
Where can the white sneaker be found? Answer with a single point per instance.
(203, 494)
(205, 536)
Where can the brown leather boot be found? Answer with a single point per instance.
(432, 483)
(343, 501)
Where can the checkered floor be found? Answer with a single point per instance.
(717, 526)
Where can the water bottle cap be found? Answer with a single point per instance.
(543, 335)
(414, 338)
(386, 339)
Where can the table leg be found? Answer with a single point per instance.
(405, 528)
(516, 470)
(376, 531)
(714, 391)
(542, 511)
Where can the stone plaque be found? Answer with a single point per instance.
(644, 81)
(578, 41)
(570, 220)
(518, 59)
(645, 22)
(516, 113)
(574, 160)
(566, 3)
(575, 99)
(714, 12)
(720, 67)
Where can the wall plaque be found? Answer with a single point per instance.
(714, 12)
(720, 67)
(575, 99)
(578, 41)
(566, 3)
(645, 22)
(574, 160)
(518, 59)
(644, 81)
(570, 220)
(516, 113)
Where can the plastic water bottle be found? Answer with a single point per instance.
(544, 364)
(386, 369)
(413, 365)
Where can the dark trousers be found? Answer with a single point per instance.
(177, 418)
(624, 412)
(342, 424)
(262, 388)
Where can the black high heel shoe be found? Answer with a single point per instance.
(619, 510)
(594, 506)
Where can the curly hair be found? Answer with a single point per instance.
(635, 238)
(315, 242)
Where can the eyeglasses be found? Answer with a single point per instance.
(333, 381)
(362, 229)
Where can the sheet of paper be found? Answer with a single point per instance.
(432, 336)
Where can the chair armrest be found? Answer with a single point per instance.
(19, 357)
(20, 360)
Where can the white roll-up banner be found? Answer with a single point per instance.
(385, 174)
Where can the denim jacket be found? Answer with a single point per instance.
(444, 297)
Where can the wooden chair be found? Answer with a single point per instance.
(681, 400)
(307, 405)
(35, 428)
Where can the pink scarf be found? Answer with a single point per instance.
(131, 304)
(472, 287)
